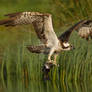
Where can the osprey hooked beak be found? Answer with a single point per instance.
(72, 47)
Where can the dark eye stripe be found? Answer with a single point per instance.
(65, 47)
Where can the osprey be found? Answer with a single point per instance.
(42, 22)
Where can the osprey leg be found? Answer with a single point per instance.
(55, 58)
(50, 54)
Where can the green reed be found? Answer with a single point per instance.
(74, 65)
(18, 61)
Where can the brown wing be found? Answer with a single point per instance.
(36, 49)
(85, 31)
(42, 23)
(65, 36)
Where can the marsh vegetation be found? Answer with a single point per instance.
(21, 68)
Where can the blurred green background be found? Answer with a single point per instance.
(64, 13)
(18, 65)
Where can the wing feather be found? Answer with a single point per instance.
(82, 33)
(42, 23)
(85, 31)
(36, 49)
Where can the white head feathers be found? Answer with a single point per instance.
(66, 44)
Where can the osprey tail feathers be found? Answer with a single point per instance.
(36, 49)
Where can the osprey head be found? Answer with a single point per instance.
(66, 46)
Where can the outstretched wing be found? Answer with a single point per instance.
(42, 23)
(79, 27)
